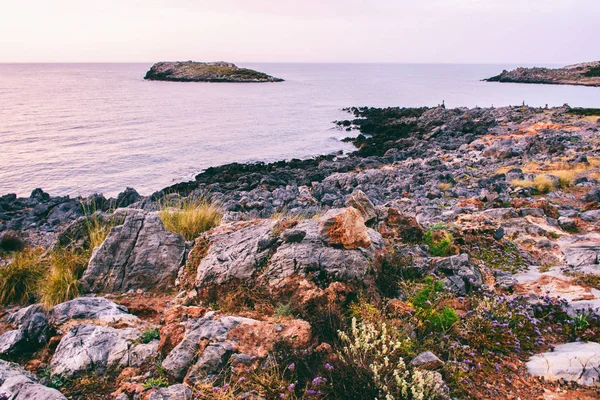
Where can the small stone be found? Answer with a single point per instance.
(426, 360)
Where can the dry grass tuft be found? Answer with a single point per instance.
(565, 177)
(542, 183)
(190, 217)
(19, 280)
(62, 281)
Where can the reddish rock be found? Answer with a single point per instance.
(344, 227)
(170, 336)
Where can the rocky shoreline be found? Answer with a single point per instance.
(466, 240)
(584, 74)
(191, 71)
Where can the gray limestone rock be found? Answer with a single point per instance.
(84, 308)
(139, 254)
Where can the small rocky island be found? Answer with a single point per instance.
(192, 71)
(585, 74)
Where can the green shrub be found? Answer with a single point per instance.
(190, 217)
(284, 310)
(442, 320)
(156, 382)
(20, 279)
(150, 335)
(440, 242)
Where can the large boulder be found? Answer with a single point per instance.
(85, 308)
(312, 255)
(237, 251)
(139, 254)
(344, 227)
(19, 384)
(98, 348)
(33, 330)
(576, 362)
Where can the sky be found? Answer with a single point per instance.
(395, 31)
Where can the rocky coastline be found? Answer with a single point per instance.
(462, 243)
(584, 74)
(220, 71)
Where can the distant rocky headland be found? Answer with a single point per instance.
(454, 255)
(191, 71)
(585, 74)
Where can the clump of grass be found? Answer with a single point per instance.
(565, 177)
(440, 242)
(11, 242)
(20, 279)
(190, 217)
(149, 335)
(541, 183)
(284, 310)
(444, 186)
(426, 302)
(61, 283)
(97, 231)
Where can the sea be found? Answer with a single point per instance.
(77, 129)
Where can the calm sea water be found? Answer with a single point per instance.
(82, 128)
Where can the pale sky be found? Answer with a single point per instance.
(416, 31)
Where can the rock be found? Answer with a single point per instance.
(567, 224)
(313, 256)
(190, 71)
(345, 228)
(213, 330)
(499, 234)
(140, 254)
(592, 196)
(293, 235)
(174, 392)
(140, 354)
(20, 384)
(359, 200)
(33, 330)
(128, 197)
(426, 360)
(574, 362)
(461, 274)
(581, 255)
(235, 252)
(85, 308)
(98, 348)
(210, 363)
(591, 216)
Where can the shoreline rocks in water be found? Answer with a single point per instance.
(191, 71)
(584, 74)
(465, 242)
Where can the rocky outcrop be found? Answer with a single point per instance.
(97, 348)
(574, 362)
(139, 254)
(33, 331)
(18, 384)
(586, 74)
(190, 71)
(461, 275)
(174, 392)
(85, 308)
(337, 247)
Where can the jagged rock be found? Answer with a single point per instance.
(181, 357)
(140, 254)
(127, 197)
(575, 362)
(592, 196)
(98, 348)
(33, 330)
(360, 201)
(567, 224)
(426, 360)
(236, 251)
(293, 235)
(174, 392)
(20, 384)
(345, 228)
(209, 364)
(85, 308)
(591, 216)
(313, 256)
(461, 274)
